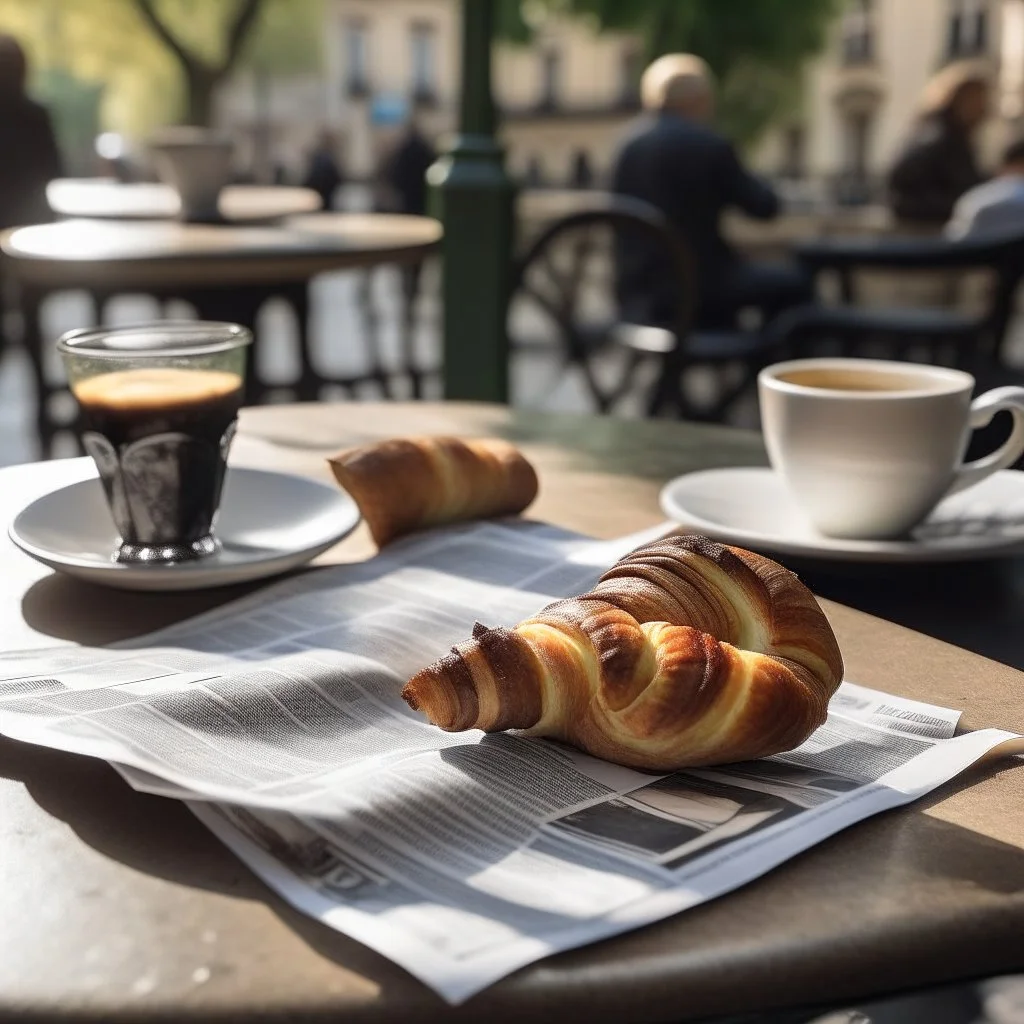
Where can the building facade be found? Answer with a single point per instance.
(863, 92)
(566, 98)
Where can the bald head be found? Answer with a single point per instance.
(13, 66)
(680, 83)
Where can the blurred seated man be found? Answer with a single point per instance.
(674, 160)
(30, 158)
(996, 207)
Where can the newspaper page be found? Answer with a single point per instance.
(461, 912)
(460, 856)
(291, 697)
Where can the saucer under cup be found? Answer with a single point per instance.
(268, 523)
(752, 508)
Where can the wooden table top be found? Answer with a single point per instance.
(120, 906)
(107, 198)
(108, 254)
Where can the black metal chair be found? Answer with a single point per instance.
(567, 273)
(974, 341)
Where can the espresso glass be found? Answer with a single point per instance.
(158, 408)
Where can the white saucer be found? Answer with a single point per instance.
(268, 523)
(752, 508)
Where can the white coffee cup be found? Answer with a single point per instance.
(197, 164)
(868, 448)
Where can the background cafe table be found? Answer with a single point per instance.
(106, 198)
(225, 272)
(119, 906)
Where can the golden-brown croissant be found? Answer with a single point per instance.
(411, 483)
(685, 653)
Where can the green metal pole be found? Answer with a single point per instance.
(473, 196)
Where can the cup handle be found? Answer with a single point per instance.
(983, 409)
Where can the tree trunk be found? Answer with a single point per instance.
(201, 79)
(200, 84)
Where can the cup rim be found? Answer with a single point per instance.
(955, 381)
(179, 338)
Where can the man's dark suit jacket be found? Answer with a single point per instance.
(692, 175)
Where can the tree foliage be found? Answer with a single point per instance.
(113, 42)
(757, 48)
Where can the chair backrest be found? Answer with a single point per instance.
(1002, 254)
(573, 270)
(913, 253)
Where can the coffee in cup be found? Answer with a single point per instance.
(158, 407)
(868, 447)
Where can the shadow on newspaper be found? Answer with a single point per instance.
(505, 552)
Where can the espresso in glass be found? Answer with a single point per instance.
(159, 404)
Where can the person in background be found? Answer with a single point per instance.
(582, 172)
(404, 172)
(402, 188)
(937, 164)
(29, 157)
(673, 159)
(323, 175)
(997, 206)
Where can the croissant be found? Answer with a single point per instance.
(686, 653)
(408, 484)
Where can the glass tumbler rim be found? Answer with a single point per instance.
(171, 338)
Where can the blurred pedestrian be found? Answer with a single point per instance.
(402, 188)
(674, 160)
(30, 158)
(937, 164)
(997, 206)
(323, 175)
(582, 172)
(404, 172)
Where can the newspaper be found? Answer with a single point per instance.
(460, 856)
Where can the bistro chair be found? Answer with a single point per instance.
(973, 340)
(566, 280)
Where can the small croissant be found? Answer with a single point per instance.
(408, 484)
(686, 653)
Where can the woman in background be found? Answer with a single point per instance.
(937, 164)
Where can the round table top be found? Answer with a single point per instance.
(115, 902)
(107, 198)
(123, 254)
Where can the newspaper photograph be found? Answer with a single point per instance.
(460, 856)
